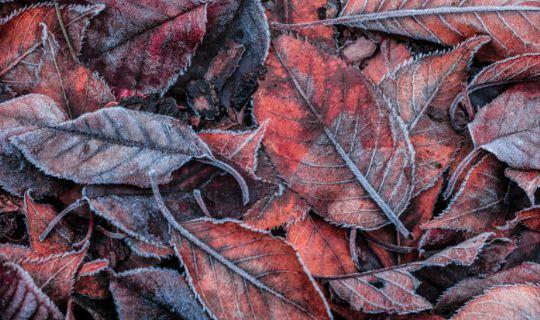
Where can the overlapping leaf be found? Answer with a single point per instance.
(21, 298)
(332, 138)
(528, 180)
(392, 290)
(141, 47)
(477, 205)
(154, 293)
(138, 142)
(519, 301)
(247, 274)
(509, 127)
(513, 25)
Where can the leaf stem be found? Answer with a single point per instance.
(459, 170)
(54, 222)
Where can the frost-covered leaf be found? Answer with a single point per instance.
(390, 56)
(21, 298)
(113, 145)
(528, 180)
(515, 301)
(528, 272)
(509, 127)
(141, 47)
(20, 115)
(421, 90)
(477, 205)
(392, 290)
(529, 217)
(154, 293)
(55, 274)
(332, 138)
(280, 209)
(324, 248)
(247, 274)
(513, 25)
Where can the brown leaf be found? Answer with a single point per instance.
(528, 180)
(323, 248)
(392, 290)
(477, 206)
(332, 138)
(528, 272)
(282, 209)
(81, 149)
(519, 301)
(509, 127)
(390, 56)
(246, 274)
(141, 47)
(21, 298)
(154, 293)
(512, 25)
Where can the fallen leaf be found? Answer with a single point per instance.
(20, 115)
(392, 290)
(528, 180)
(323, 248)
(528, 272)
(529, 217)
(511, 136)
(281, 209)
(21, 298)
(154, 293)
(390, 56)
(332, 138)
(247, 274)
(141, 50)
(512, 25)
(477, 205)
(138, 141)
(358, 50)
(519, 301)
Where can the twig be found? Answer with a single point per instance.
(64, 31)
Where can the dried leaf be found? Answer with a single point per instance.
(154, 293)
(529, 181)
(477, 206)
(323, 248)
(281, 209)
(332, 138)
(38, 217)
(238, 148)
(20, 115)
(520, 301)
(512, 25)
(138, 142)
(141, 47)
(529, 217)
(509, 127)
(457, 295)
(392, 290)
(390, 56)
(20, 298)
(425, 87)
(525, 67)
(54, 274)
(247, 274)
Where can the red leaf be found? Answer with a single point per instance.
(20, 298)
(529, 181)
(141, 47)
(391, 54)
(332, 138)
(323, 248)
(248, 274)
